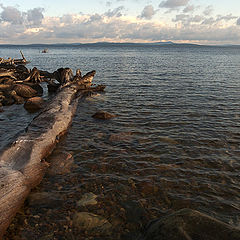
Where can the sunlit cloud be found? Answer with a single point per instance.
(115, 25)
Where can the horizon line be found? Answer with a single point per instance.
(168, 43)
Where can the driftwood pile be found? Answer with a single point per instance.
(18, 83)
(23, 164)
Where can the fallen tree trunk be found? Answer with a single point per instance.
(23, 164)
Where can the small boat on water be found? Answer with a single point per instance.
(45, 50)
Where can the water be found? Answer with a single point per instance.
(174, 144)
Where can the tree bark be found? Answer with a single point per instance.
(23, 165)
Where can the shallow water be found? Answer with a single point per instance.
(174, 143)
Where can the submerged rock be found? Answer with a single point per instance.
(44, 199)
(87, 199)
(187, 224)
(92, 223)
(103, 115)
(60, 163)
(121, 137)
(135, 213)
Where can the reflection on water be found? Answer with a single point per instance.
(174, 144)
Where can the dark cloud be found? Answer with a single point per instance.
(209, 21)
(189, 8)
(32, 17)
(238, 21)
(225, 18)
(95, 18)
(11, 15)
(35, 16)
(148, 12)
(181, 17)
(171, 4)
(117, 12)
(187, 19)
(208, 10)
(67, 19)
(110, 3)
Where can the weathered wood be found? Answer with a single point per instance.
(22, 165)
(12, 61)
(7, 73)
(23, 56)
(34, 76)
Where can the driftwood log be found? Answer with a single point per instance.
(12, 61)
(23, 164)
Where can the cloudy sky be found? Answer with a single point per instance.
(71, 21)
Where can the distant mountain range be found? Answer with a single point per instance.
(168, 43)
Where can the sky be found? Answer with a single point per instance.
(81, 21)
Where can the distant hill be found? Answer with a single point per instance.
(168, 43)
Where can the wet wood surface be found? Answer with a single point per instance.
(23, 164)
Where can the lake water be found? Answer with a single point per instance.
(174, 143)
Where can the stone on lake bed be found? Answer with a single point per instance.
(103, 115)
(92, 223)
(60, 163)
(87, 199)
(119, 137)
(44, 199)
(168, 140)
(187, 224)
